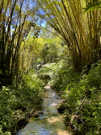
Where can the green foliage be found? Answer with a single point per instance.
(16, 104)
(50, 50)
(32, 87)
(7, 103)
(82, 102)
(63, 74)
(96, 5)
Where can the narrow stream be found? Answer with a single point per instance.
(50, 122)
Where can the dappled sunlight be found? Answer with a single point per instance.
(62, 132)
(47, 87)
(54, 119)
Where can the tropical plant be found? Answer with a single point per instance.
(82, 100)
(18, 105)
(80, 31)
(15, 26)
(95, 5)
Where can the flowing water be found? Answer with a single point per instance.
(50, 122)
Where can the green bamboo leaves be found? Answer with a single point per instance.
(96, 5)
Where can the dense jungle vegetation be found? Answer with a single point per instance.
(56, 42)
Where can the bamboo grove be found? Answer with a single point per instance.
(15, 26)
(80, 30)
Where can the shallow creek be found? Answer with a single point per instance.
(50, 122)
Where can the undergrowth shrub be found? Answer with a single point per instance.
(64, 74)
(82, 100)
(18, 104)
